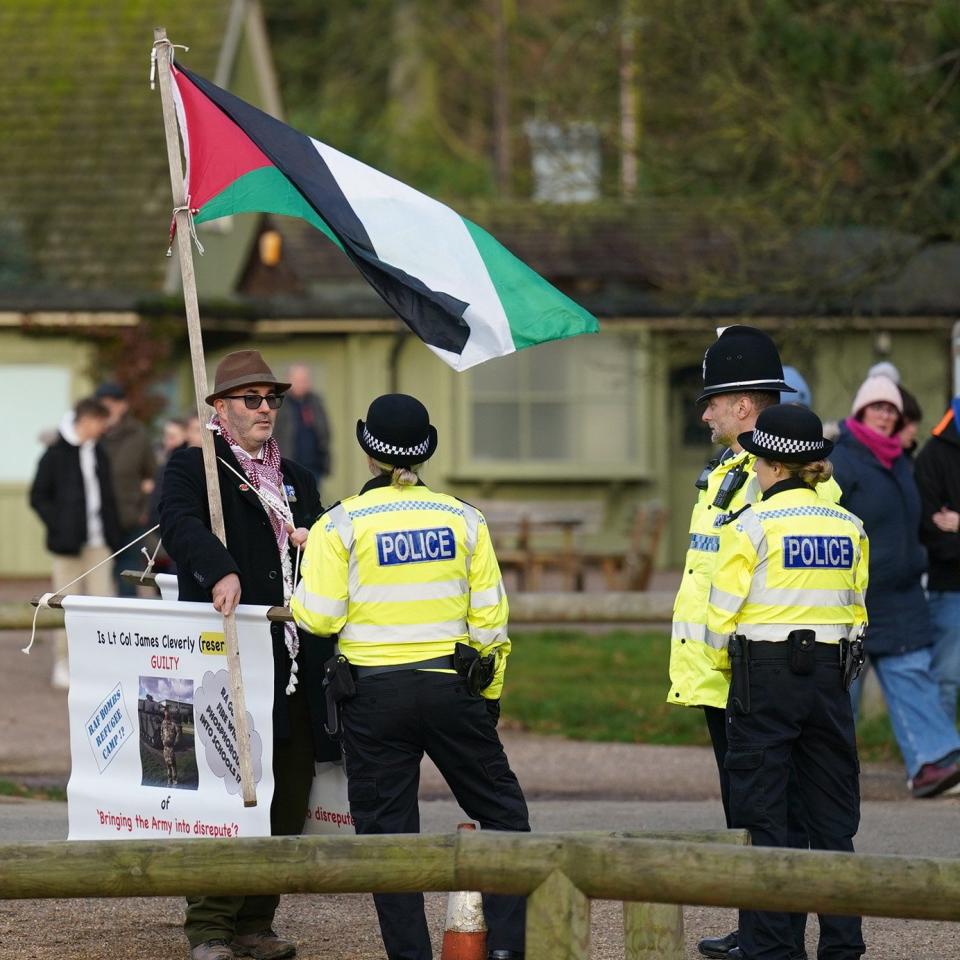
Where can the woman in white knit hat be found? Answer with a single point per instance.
(878, 486)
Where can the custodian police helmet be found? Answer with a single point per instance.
(743, 358)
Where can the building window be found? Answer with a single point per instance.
(48, 388)
(571, 402)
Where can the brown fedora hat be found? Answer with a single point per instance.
(244, 368)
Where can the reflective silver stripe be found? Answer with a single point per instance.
(471, 517)
(340, 519)
(402, 592)
(404, 633)
(777, 632)
(725, 601)
(698, 632)
(751, 526)
(487, 598)
(799, 597)
(316, 603)
(487, 635)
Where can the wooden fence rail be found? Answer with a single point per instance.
(609, 608)
(560, 873)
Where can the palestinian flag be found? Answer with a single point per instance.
(466, 296)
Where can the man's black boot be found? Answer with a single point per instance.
(719, 947)
(505, 955)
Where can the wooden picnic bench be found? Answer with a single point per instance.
(535, 536)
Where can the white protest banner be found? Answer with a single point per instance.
(328, 806)
(152, 742)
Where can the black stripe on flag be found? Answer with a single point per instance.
(434, 316)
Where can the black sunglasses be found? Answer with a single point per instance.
(252, 401)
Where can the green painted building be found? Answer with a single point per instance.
(85, 292)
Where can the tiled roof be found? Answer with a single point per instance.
(84, 187)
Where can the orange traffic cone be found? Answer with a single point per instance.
(465, 935)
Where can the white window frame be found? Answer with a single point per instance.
(636, 467)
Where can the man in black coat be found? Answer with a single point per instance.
(938, 478)
(72, 493)
(256, 567)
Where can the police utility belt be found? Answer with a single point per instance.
(800, 652)
(340, 677)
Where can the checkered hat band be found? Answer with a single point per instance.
(371, 441)
(784, 444)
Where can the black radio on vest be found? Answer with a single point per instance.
(730, 484)
(703, 479)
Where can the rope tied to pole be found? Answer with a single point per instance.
(44, 600)
(189, 211)
(153, 57)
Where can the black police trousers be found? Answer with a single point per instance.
(796, 814)
(387, 727)
(803, 724)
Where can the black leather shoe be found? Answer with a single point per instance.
(720, 947)
(505, 955)
(737, 954)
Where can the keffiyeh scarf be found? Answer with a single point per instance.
(266, 477)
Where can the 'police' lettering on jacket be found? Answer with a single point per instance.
(834, 553)
(415, 546)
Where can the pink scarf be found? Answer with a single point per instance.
(885, 449)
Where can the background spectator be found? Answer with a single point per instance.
(132, 465)
(912, 415)
(173, 437)
(303, 430)
(878, 487)
(938, 478)
(72, 493)
(193, 430)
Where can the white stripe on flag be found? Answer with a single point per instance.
(429, 241)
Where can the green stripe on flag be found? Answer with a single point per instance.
(264, 190)
(536, 310)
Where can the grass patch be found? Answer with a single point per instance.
(8, 788)
(613, 687)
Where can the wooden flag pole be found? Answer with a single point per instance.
(163, 58)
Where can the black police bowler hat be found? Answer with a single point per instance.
(743, 358)
(397, 431)
(787, 433)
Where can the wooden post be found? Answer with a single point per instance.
(652, 931)
(249, 788)
(558, 921)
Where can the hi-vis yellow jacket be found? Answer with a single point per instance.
(699, 666)
(790, 562)
(402, 574)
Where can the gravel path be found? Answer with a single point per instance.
(571, 786)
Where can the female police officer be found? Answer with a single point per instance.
(409, 580)
(789, 589)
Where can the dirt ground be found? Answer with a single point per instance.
(34, 748)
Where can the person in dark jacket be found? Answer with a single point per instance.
(303, 428)
(878, 486)
(72, 493)
(257, 567)
(938, 477)
(132, 466)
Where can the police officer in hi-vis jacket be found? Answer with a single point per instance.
(788, 591)
(408, 578)
(742, 375)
